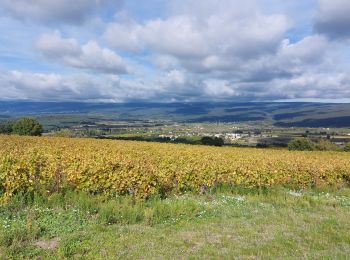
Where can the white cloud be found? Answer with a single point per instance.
(219, 89)
(54, 46)
(310, 49)
(165, 62)
(291, 59)
(313, 85)
(230, 49)
(89, 56)
(196, 37)
(196, 50)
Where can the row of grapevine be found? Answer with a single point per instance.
(49, 165)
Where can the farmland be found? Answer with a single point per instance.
(143, 169)
(94, 199)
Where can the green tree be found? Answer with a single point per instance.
(27, 126)
(6, 128)
(301, 144)
(214, 141)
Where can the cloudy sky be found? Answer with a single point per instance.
(175, 50)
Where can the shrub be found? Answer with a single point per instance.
(326, 145)
(17, 233)
(27, 126)
(301, 144)
(123, 212)
(347, 147)
(64, 133)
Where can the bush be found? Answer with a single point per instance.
(326, 145)
(214, 141)
(63, 133)
(347, 147)
(305, 144)
(27, 126)
(301, 144)
(123, 212)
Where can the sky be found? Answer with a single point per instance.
(175, 50)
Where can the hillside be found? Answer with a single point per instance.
(279, 114)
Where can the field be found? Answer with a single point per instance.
(49, 165)
(88, 199)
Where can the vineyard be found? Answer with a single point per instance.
(50, 165)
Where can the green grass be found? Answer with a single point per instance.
(231, 223)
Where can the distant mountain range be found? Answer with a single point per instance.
(278, 114)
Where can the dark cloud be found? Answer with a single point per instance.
(56, 11)
(59, 87)
(333, 18)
